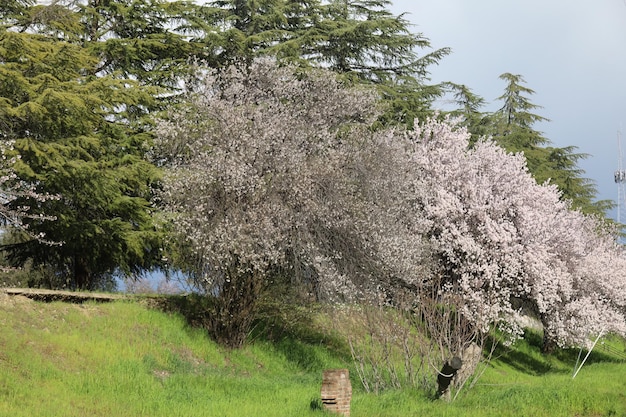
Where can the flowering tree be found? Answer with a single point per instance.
(274, 172)
(12, 189)
(503, 239)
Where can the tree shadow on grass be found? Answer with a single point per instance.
(526, 356)
(194, 308)
(294, 333)
(601, 353)
(289, 328)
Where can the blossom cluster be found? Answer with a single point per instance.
(12, 189)
(270, 167)
(265, 168)
(507, 241)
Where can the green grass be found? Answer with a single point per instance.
(123, 359)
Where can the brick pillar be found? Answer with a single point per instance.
(337, 391)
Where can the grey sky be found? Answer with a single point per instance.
(572, 53)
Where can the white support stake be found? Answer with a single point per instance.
(587, 355)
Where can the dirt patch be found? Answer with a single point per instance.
(190, 357)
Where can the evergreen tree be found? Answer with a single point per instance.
(247, 28)
(79, 136)
(513, 128)
(150, 41)
(469, 104)
(364, 41)
(360, 39)
(516, 110)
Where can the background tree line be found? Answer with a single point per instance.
(248, 173)
(82, 80)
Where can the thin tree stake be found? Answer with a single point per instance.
(588, 353)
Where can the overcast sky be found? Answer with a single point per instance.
(572, 53)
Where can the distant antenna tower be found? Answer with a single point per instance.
(620, 180)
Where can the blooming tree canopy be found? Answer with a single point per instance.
(271, 170)
(275, 171)
(12, 189)
(503, 239)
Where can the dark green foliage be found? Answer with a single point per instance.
(364, 41)
(469, 106)
(514, 131)
(360, 39)
(512, 127)
(367, 43)
(148, 40)
(515, 115)
(248, 28)
(80, 137)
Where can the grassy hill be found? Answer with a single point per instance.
(125, 359)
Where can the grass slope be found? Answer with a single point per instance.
(123, 359)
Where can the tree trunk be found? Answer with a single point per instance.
(235, 307)
(81, 273)
(549, 343)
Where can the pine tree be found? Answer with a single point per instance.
(247, 28)
(513, 128)
(469, 104)
(150, 41)
(359, 39)
(79, 136)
